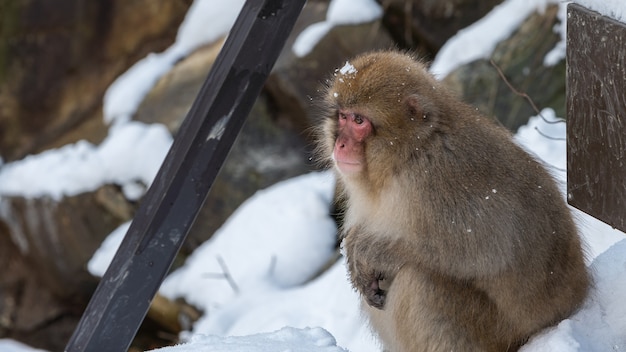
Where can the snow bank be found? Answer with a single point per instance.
(480, 39)
(268, 242)
(286, 339)
(130, 156)
(340, 12)
(601, 324)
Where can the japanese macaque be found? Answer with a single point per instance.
(456, 238)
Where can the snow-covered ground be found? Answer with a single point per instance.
(8, 345)
(275, 245)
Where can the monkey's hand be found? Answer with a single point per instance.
(367, 281)
(365, 278)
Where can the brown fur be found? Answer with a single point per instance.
(459, 235)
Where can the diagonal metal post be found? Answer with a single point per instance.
(171, 205)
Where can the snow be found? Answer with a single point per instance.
(601, 324)
(205, 22)
(340, 12)
(129, 156)
(615, 9)
(286, 243)
(286, 339)
(557, 54)
(348, 69)
(101, 259)
(8, 345)
(480, 39)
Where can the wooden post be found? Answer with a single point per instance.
(596, 115)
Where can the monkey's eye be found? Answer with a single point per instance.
(341, 115)
(358, 119)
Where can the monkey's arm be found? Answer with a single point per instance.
(371, 260)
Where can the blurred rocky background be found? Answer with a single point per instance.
(57, 59)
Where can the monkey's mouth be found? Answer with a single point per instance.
(348, 167)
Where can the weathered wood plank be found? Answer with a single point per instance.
(596, 115)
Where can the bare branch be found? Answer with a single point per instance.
(549, 137)
(225, 274)
(523, 95)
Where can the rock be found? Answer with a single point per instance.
(431, 22)
(270, 147)
(58, 237)
(520, 58)
(58, 58)
(296, 82)
(44, 248)
(172, 96)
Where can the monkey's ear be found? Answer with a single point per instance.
(419, 106)
(414, 105)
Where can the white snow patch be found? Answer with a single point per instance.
(132, 153)
(344, 12)
(309, 37)
(285, 339)
(9, 345)
(340, 12)
(348, 69)
(601, 324)
(285, 243)
(480, 39)
(99, 262)
(557, 54)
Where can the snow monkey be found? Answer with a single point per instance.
(455, 237)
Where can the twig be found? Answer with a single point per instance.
(225, 274)
(549, 137)
(523, 95)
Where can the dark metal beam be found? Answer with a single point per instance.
(171, 205)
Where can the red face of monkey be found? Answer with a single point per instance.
(349, 153)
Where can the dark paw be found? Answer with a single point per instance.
(376, 299)
(374, 295)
